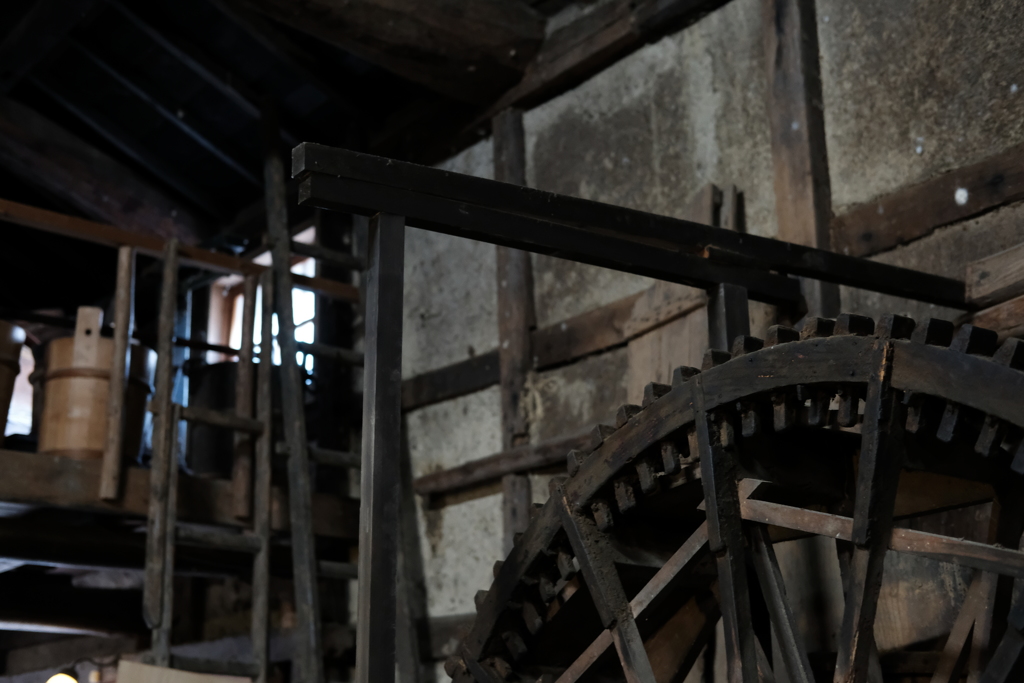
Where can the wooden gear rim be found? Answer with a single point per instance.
(913, 368)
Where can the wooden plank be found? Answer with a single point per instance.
(470, 51)
(46, 155)
(614, 248)
(518, 460)
(261, 496)
(124, 322)
(996, 278)
(594, 41)
(725, 538)
(465, 377)
(535, 220)
(150, 245)
(783, 622)
(913, 212)
(54, 481)
(378, 543)
(43, 28)
(308, 661)
(602, 579)
(1006, 318)
(951, 663)
(516, 318)
(163, 430)
(241, 470)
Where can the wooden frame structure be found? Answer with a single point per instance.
(731, 266)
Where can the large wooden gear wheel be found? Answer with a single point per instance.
(622, 575)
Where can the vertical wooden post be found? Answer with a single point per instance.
(261, 485)
(308, 659)
(728, 315)
(382, 404)
(164, 425)
(124, 295)
(241, 472)
(162, 633)
(803, 194)
(516, 318)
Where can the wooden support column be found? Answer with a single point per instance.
(803, 195)
(881, 459)
(516, 318)
(241, 472)
(382, 405)
(308, 660)
(124, 320)
(725, 538)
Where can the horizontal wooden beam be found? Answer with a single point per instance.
(470, 50)
(64, 165)
(54, 481)
(458, 379)
(526, 458)
(942, 548)
(151, 245)
(913, 212)
(586, 46)
(615, 237)
(1006, 318)
(997, 277)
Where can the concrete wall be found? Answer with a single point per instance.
(911, 90)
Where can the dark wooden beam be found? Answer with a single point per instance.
(586, 46)
(45, 26)
(470, 50)
(803, 193)
(913, 212)
(62, 164)
(517, 460)
(591, 232)
(451, 381)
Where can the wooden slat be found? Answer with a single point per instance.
(108, 235)
(1006, 318)
(520, 459)
(308, 661)
(951, 663)
(54, 481)
(915, 211)
(597, 330)
(452, 381)
(783, 622)
(725, 538)
(124, 321)
(381, 451)
(997, 277)
(606, 589)
(241, 470)
(216, 418)
(803, 197)
(261, 495)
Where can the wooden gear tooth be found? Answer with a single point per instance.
(780, 334)
(647, 475)
(949, 423)
(1011, 354)
(565, 565)
(852, 324)
(976, 341)
(597, 436)
(532, 617)
(783, 411)
(625, 414)
(892, 326)
(625, 496)
(991, 436)
(750, 419)
(714, 358)
(502, 668)
(817, 328)
(602, 515)
(934, 332)
(573, 461)
(547, 588)
(496, 569)
(479, 598)
(744, 344)
(818, 407)
(669, 457)
(849, 407)
(683, 374)
(454, 665)
(653, 391)
(514, 643)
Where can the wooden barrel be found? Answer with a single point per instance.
(11, 339)
(74, 421)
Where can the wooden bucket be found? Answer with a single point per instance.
(11, 339)
(74, 421)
